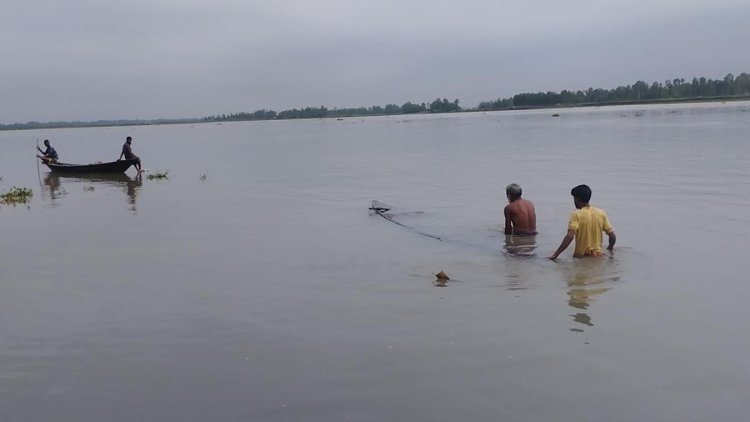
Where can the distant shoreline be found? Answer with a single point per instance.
(644, 102)
(145, 122)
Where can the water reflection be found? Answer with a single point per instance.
(53, 188)
(520, 245)
(587, 279)
(131, 186)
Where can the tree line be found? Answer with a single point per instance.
(437, 106)
(675, 89)
(639, 92)
(699, 88)
(97, 123)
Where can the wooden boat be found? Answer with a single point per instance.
(101, 168)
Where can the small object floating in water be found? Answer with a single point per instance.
(442, 276)
(157, 176)
(379, 207)
(556, 115)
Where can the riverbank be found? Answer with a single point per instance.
(112, 123)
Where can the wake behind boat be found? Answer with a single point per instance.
(102, 168)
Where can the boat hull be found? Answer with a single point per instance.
(99, 168)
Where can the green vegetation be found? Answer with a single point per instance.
(700, 89)
(675, 90)
(17, 196)
(98, 123)
(437, 106)
(157, 176)
(640, 92)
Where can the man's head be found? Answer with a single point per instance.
(513, 191)
(581, 195)
(46, 142)
(128, 139)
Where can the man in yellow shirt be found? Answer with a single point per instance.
(586, 226)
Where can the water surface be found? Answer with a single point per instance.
(252, 284)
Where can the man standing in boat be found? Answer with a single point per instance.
(49, 155)
(127, 152)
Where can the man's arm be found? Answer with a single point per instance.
(564, 244)
(508, 223)
(612, 240)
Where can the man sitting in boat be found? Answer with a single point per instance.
(49, 155)
(127, 152)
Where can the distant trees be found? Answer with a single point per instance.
(305, 113)
(437, 106)
(409, 108)
(640, 91)
(730, 86)
(444, 106)
(499, 104)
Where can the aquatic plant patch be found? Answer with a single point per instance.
(16, 196)
(157, 176)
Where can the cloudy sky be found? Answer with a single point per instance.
(109, 59)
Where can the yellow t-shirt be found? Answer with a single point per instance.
(589, 223)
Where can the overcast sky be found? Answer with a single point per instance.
(109, 59)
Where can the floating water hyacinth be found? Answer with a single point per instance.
(157, 176)
(17, 196)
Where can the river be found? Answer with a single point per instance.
(253, 284)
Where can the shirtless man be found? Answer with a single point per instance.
(520, 217)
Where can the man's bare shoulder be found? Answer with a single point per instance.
(521, 203)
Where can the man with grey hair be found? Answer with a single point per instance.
(520, 216)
